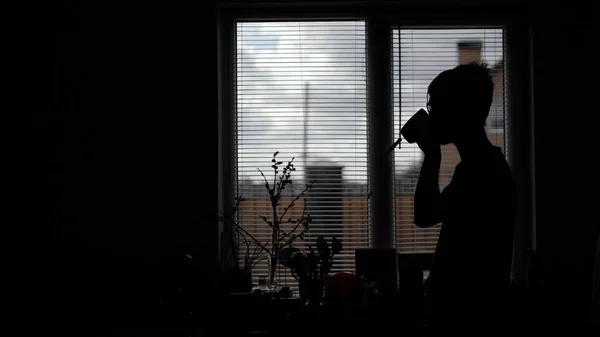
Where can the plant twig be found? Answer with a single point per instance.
(256, 262)
(274, 175)
(266, 182)
(265, 220)
(308, 186)
(256, 253)
(287, 172)
(289, 242)
(298, 222)
(246, 232)
(246, 255)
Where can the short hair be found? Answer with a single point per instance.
(468, 86)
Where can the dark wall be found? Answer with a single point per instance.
(566, 151)
(124, 148)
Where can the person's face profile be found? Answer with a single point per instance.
(440, 113)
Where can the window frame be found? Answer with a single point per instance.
(519, 103)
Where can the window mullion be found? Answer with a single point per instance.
(379, 79)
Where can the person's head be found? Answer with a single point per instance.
(459, 100)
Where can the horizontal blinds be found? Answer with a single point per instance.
(301, 91)
(419, 55)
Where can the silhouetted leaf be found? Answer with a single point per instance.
(266, 220)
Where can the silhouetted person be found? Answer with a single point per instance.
(470, 276)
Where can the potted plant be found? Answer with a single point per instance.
(277, 220)
(312, 268)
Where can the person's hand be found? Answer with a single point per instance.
(428, 144)
(419, 128)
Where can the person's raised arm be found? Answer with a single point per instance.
(427, 204)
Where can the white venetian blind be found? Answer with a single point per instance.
(419, 55)
(301, 90)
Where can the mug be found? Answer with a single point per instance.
(415, 126)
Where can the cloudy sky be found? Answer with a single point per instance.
(287, 71)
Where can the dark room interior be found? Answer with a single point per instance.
(125, 179)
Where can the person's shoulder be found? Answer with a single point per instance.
(499, 160)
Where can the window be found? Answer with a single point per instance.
(300, 88)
